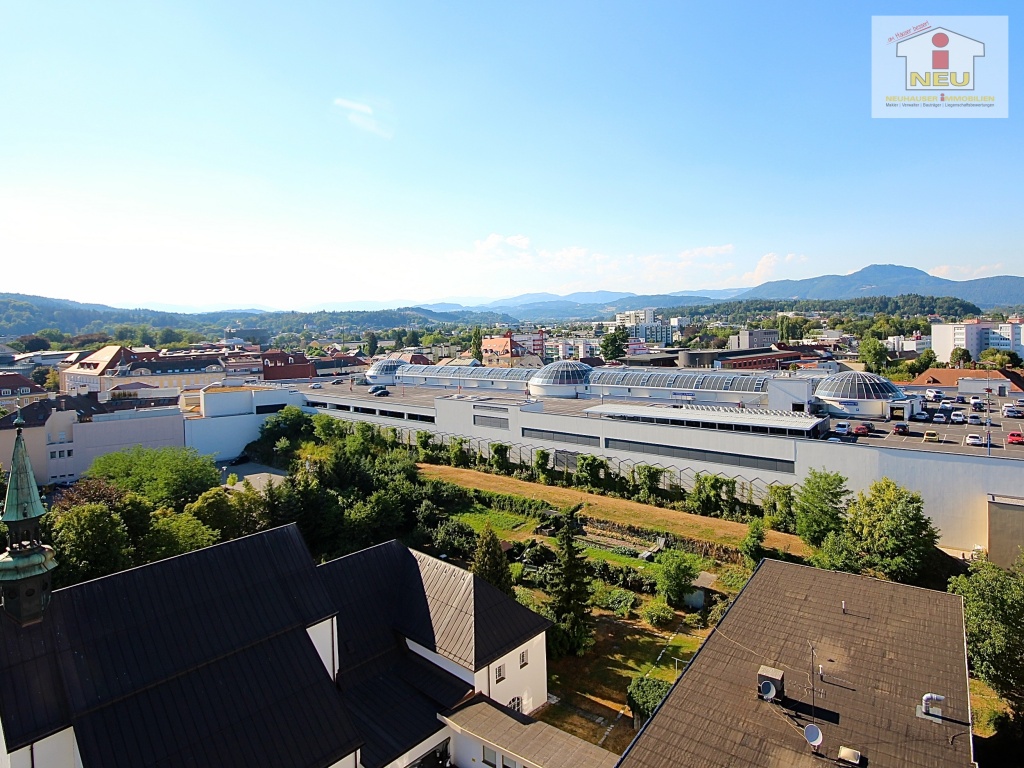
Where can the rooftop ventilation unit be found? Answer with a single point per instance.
(849, 756)
(770, 683)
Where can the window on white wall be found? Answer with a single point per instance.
(524, 658)
(508, 763)
(499, 673)
(490, 757)
(516, 705)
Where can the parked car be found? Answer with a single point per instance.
(1019, 402)
(834, 440)
(957, 417)
(978, 406)
(1013, 413)
(974, 420)
(381, 393)
(337, 381)
(376, 388)
(901, 428)
(977, 399)
(921, 416)
(842, 428)
(1015, 438)
(973, 440)
(946, 405)
(934, 394)
(317, 385)
(938, 418)
(931, 436)
(959, 399)
(863, 429)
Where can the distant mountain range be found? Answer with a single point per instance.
(876, 280)
(893, 280)
(21, 314)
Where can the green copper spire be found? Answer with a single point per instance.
(22, 502)
(25, 566)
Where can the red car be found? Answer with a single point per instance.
(1015, 438)
(863, 429)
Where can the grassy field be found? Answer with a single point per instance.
(507, 525)
(616, 510)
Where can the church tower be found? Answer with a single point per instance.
(26, 564)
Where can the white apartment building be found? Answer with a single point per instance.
(635, 317)
(977, 336)
(899, 344)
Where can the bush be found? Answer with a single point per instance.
(657, 614)
(717, 611)
(644, 695)
(455, 539)
(627, 551)
(694, 621)
(517, 572)
(622, 601)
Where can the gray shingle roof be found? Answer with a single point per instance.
(524, 738)
(893, 644)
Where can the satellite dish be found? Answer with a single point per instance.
(767, 689)
(813, 734)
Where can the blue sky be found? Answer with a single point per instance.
(307, 154)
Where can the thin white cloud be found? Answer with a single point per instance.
(966, 272)
(362, 117)
(354, 106)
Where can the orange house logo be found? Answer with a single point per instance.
(940, 59)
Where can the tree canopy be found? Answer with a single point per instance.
(994, 619)
(569, 587)
(819, 505)
(167, 477)
(490, 563)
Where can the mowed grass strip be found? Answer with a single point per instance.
(616, 510)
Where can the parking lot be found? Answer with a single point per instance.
(952, 437)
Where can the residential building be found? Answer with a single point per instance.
(15, 389)
(754, 339)
(635, 317)
(655, 333)
(279, 366)
(506, 352)
(976, 336)
(903, 344)
(811, 667)
(258, 336)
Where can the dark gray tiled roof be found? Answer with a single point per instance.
(149, 647)
(893, 644)
(435, 604)
(526, 739)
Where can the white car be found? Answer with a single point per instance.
(934, 394)
(946, 405)
(316, 386)
(974, 420)
(957, 418)
(973, 440)
(977, 399)
(938, 418)
(842, 428)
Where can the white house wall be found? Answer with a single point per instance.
(349, 761)
(324, 636)
(60, 750)
(530, 683)
(468, 752)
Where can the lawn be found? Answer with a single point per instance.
(594, 685)
(508, 525)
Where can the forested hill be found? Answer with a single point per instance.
(909, 305)
(23, 314)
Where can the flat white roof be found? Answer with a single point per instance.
(712, 413)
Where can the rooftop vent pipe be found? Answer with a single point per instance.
(928, 699)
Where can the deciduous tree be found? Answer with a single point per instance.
(820, 503)
(675, 580)
(994, 618)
